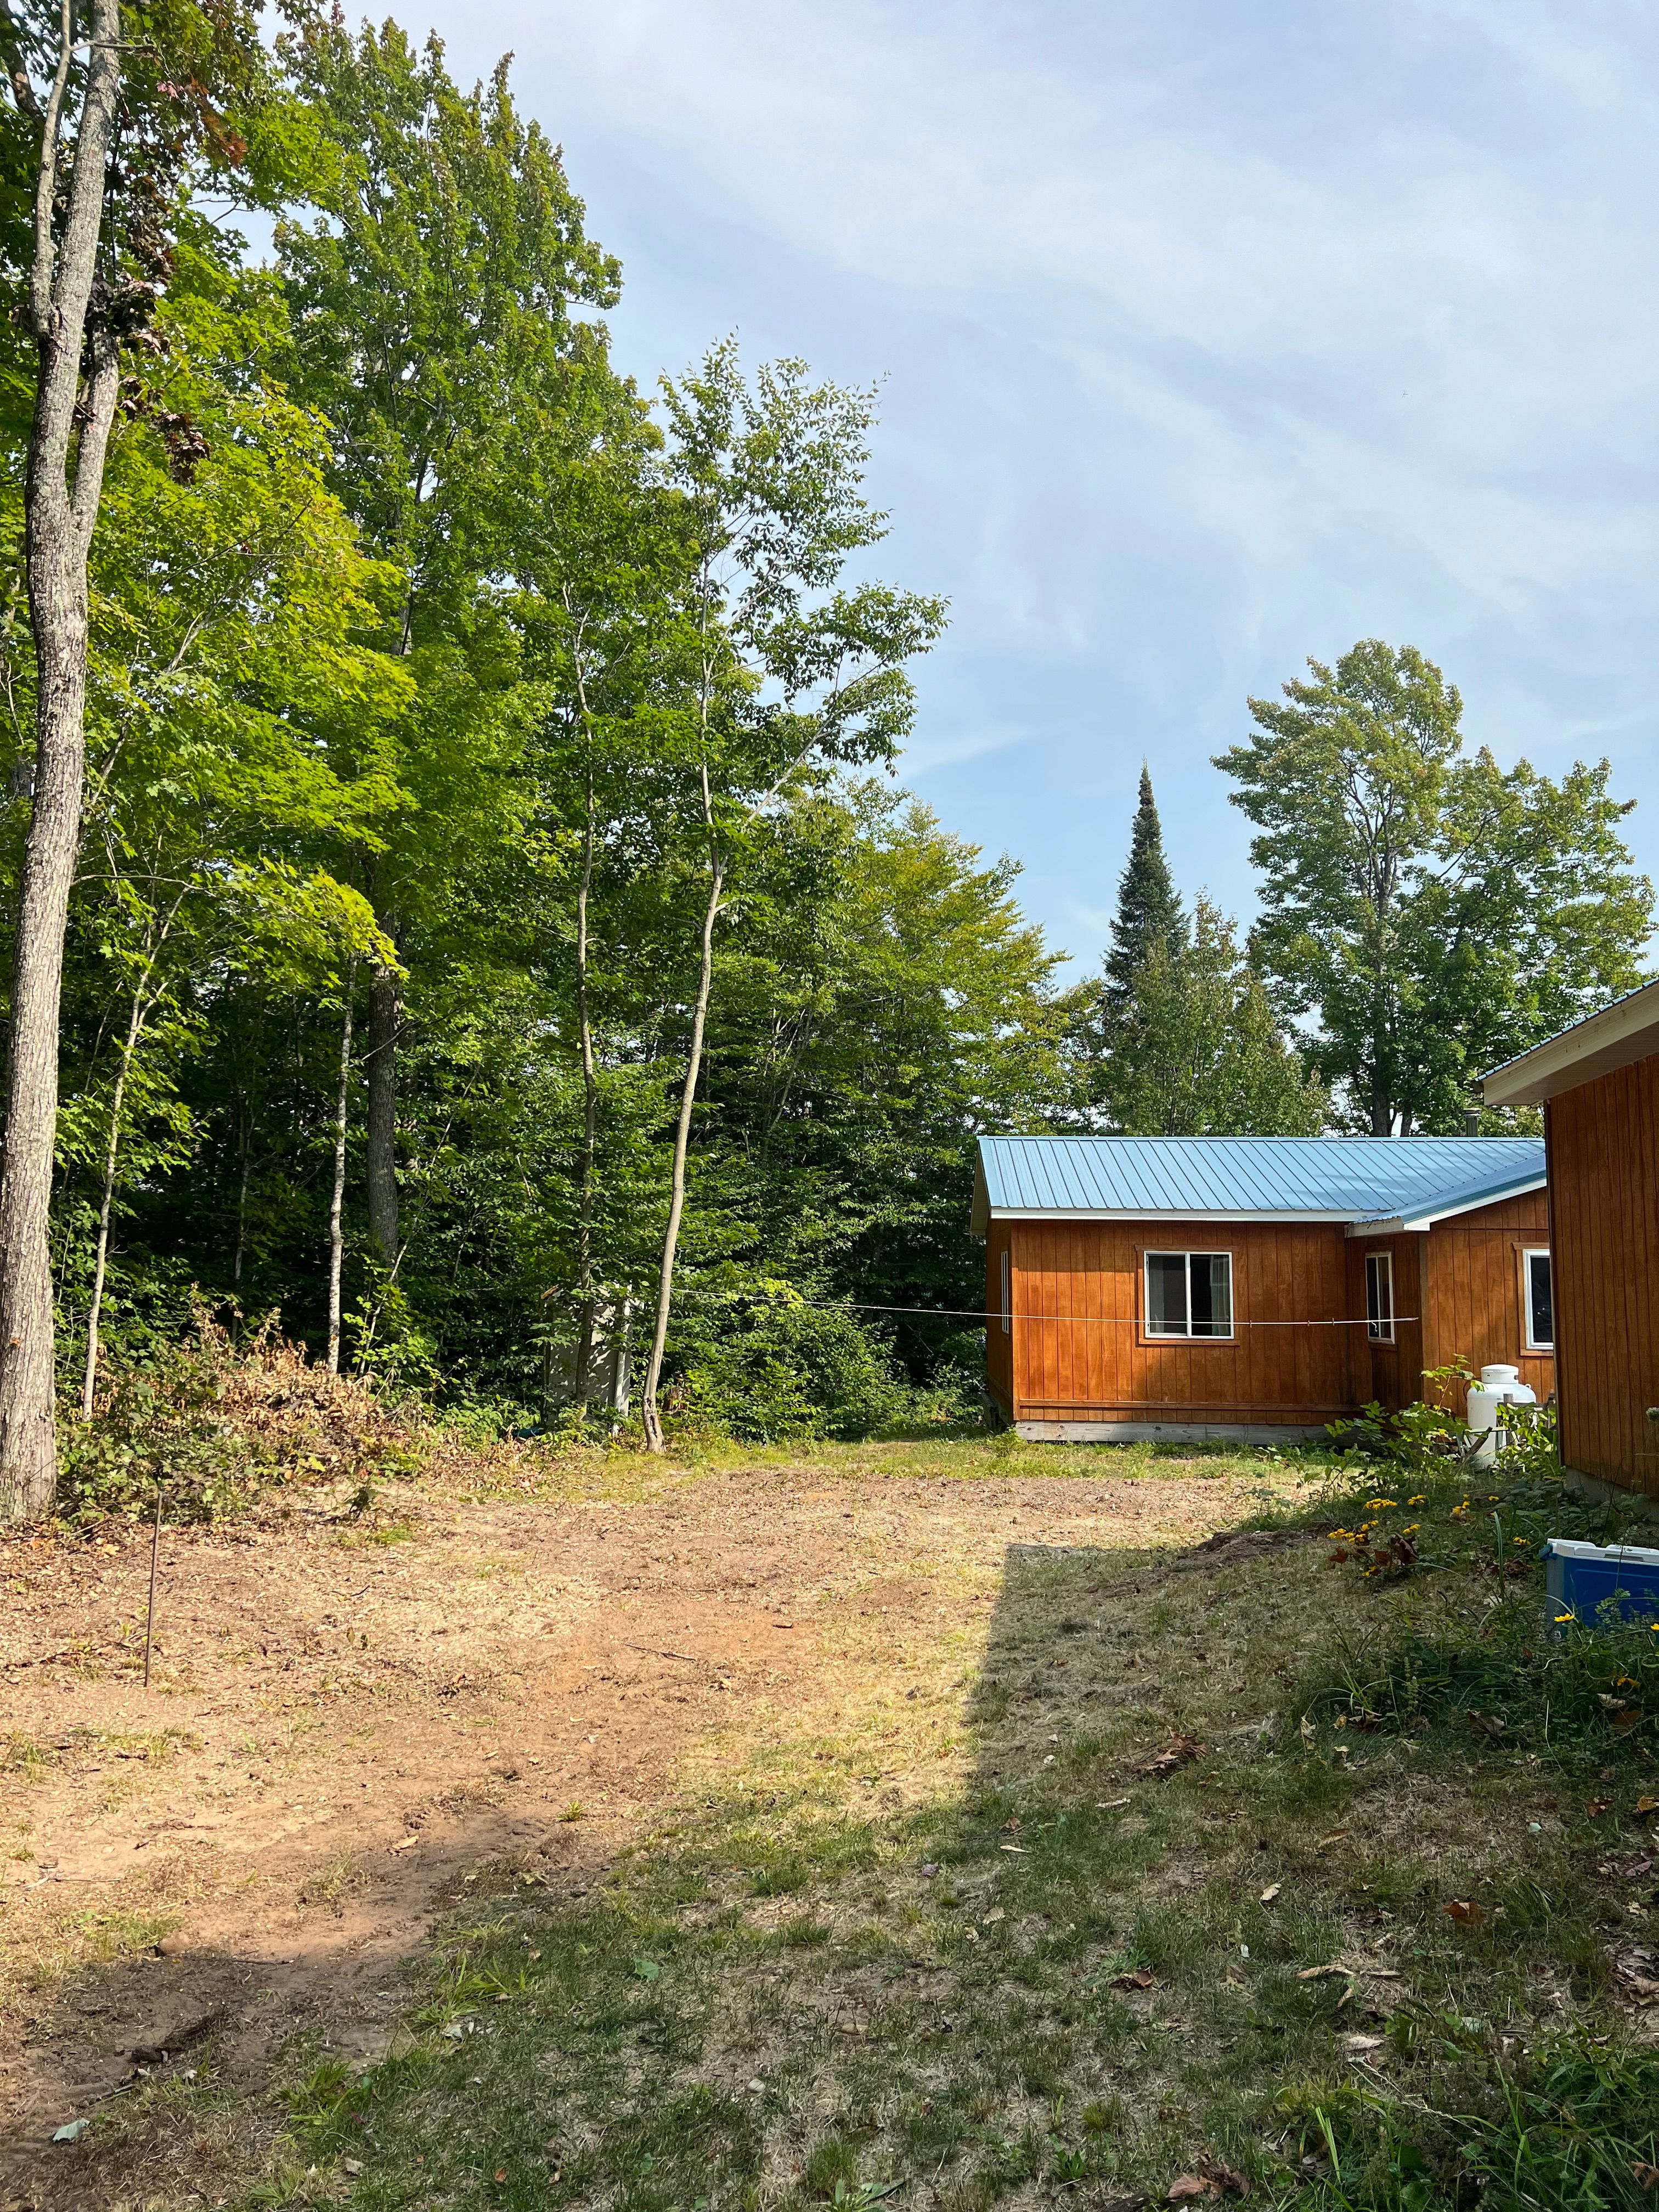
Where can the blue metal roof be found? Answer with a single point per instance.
(1313, 1178)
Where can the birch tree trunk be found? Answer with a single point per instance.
(648, 1409)
(335, 1235)
(72, 418)
(584, 1298)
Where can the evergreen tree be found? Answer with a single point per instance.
(1203, 1055)
(1148, 911)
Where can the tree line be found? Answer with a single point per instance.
(457, 896)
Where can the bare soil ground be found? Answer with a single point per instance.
(349, 1720)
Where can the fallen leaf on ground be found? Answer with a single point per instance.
(1315, 1973)
(1114, 1805)
(1359, 2043)
(1335, 1837)
(1227, 2180)
(1270, 1892)
(408, 1844)
(1185, 2186)
(1598, 1805)
(1647, 1804)
(1141, 1978)
(1018, 1851)
(929, 1871)
(1176, 1753)
(1465, 1912)
(1647, 2176)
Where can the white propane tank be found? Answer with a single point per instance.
(1499, 1386)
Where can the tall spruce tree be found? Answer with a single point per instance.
(1149, 914)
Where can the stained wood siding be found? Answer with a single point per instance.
(1604, 1141)
(998, 1347)
(1392, 1374)
(1079, 1344)
(1475, 1310)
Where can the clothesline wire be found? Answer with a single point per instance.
(1093, 1321)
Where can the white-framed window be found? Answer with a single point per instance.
(1007, 1293)
(1190, 1294)
(1379, 1297)
(1538, 1278)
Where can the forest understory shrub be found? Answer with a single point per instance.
(219, 1424)
(788, 1370)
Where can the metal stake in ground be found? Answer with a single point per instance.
(155, 1550)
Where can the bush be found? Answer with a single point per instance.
(215, 1425)
(786, 1370)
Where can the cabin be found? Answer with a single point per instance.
(1253, 1289)
(1598, 1084)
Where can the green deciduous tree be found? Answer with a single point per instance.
(1435, 912)
(791, 666)
(114, 126)
(432, 298)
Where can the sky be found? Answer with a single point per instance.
(1211, 338)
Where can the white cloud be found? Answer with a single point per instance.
(1217, 337)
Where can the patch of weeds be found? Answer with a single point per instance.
(1574, 2126)
(342, 1878)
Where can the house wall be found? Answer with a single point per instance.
(1603, 1140)
(998, 1347)
(1475, 1310)
(1080, 1352)
(1390, 1373)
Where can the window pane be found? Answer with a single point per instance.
(1166, 1294)
(1379, 1297)
(1212, 1293)
(1540, 1291)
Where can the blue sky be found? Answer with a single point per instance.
(1212, 337)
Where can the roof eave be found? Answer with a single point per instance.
(1156, 1213)
(1620, 1034)
(1402, 1224)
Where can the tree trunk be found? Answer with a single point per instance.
(58, 532)
(386, 1017)
(244, 1150)
(585, 1302)
(649, 1413)
(335, 1236)
(106, 1200)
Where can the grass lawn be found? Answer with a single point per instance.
(1242, 1870)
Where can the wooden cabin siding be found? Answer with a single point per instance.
(999, 1345)
(1474, 1308)
(1080, 1352)
(1392, 1374)
(1603, 1143)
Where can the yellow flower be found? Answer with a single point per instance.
(1562, 1618)
(1415, 1501)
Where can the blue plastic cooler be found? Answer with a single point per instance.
(1582, 1579)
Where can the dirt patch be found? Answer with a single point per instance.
(347, 1726)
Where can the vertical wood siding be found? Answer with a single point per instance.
(1475, 1309)
(1392, 1374)
(998, 1348)
(1080, 1350)
(1604, 1181)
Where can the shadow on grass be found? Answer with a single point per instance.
(1153, 1931)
